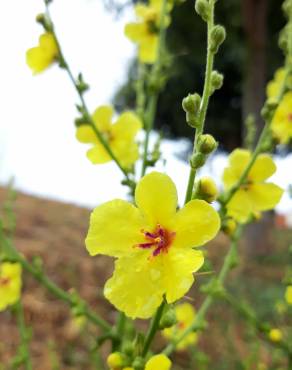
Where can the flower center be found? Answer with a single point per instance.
(290, 117)
(4, 281)
(159, 240)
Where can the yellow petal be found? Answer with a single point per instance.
(142, 10)
(195, 224)
(115, 228)
(239, 207)
(98, 154)
(148, 49)
(238, 160)
(158, 362)
(126, 151)
(102, 117)
(230, 178)
(48, 44)
(136, 285)
(37, 60)
(156, 197)
(288, 294)
(126, 127)
(185, 313)
(178, 268)
(85, 134)
(135, 31)
(263, 168)
(264, 196)
(11, 290)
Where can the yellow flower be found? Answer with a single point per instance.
(288, 294)
(255, 195)
(282, 121)
(185, 314)
(275, 335)
(42, 56)
(146, 32)
(10, 284)
(158, 362)
(153, 244)
(120, 136)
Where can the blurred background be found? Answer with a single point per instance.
(39, 151)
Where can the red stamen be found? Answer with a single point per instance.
(160, 239)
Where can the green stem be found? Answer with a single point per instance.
(24, 353)
(140, 91)
(87, 115)
(204, 102)
(153, 329)
(199, 319)
(152, 104)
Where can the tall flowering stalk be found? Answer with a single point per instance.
(158, 246)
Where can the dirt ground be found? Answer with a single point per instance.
(56, 232)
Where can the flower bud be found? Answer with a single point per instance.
(168, 319)
(198, 160)
(229, 226)
(275, 335)
(218, 35)
(128, 348)
(202, 7)
(216, 80)
(191, 104)
(192, 120)
(207, 144)
(115, 361)
(42, 19)
(206, 189)
(139, 363)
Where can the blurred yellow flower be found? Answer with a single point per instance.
(146, 32)
(282, 121)
(185, 314)
(274, 86)
(275, 335)
(288, 294)
(255, 195)
(42, 56)
(158, 362)
(153, 244)
(120, 136)
(10, 284)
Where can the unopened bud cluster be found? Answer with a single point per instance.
(206, 145)
(216, 81)
(217, 37)
(191, 105)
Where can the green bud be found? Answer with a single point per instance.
(283, 40)
(191, 104)
(168, 319)
(42, 19)
(216, 80)
(269, 109)
(128, 348)
(202, 7)
(206, 189)
(218, 35)
(192, 120)
(229, 226)
(139, 363)
(287, 7)
(207, 144)
(198, 160)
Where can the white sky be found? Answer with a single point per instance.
(37, 134)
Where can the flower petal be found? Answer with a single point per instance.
(195, 224)
(156, 197)
(264, 196)
(127, 152)
(48, 44)
(263, 168)
(158, 362)
(37, 60)
(178, 268)
(115, 228)
(85, 134)
(126, 127)
(238, 160)
(102, 117)
(239, 207)
(148, 49)
(135, 31)
(135, 287)
(98, 154)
